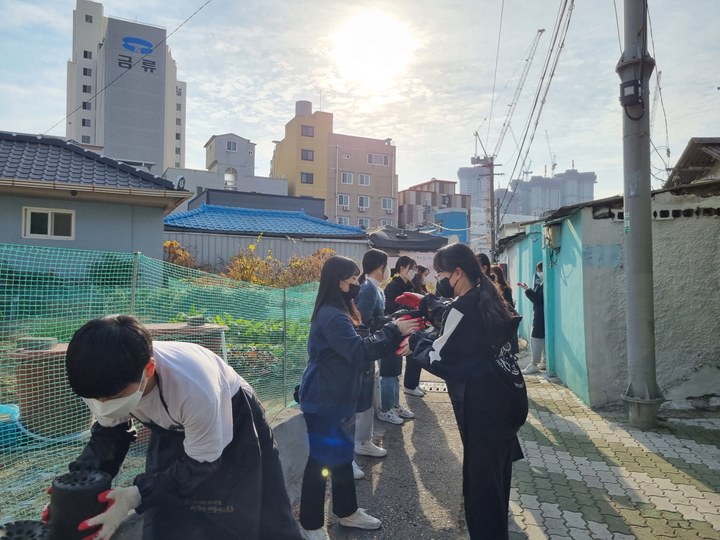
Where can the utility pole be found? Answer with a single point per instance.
(643, 395)
(491, 194)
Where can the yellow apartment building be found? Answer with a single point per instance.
(355, 175)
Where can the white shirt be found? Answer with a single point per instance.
(198, 387)
(373, 281)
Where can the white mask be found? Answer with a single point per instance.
(118, 407)
(386, 274)
(411, 274)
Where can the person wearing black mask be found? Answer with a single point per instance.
(486, 388)
(328, 396)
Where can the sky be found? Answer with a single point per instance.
(420, 72)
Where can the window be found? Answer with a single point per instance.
(385, 222)
(177, 136)
(178, 106)
(88, 18)
(387, 204)
(364, 179)
(48, 223)
(87, 72)
(177, 150)
(85, 122)
(346, 178)
(87, 54)
(307, 155)
(87, 89)
(87, 105)
(344, 220)
(231, 146)
(363, 223)
(306, 178)
(178, 122)
(230, 178)
(446, 200)
(363, 201)
(343, 200)
(177, 164)
(307, 131)
(85, 139)
(379, 159)
(178, 91)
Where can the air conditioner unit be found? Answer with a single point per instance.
(389, 210)
(362, 208)
(346, 208)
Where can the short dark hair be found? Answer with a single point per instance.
(402, 262)
(335, 270)
(106, 355)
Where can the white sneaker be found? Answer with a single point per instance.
(389, 416)
(361, 520)
(358, 474)
(541, 366)
(402, 412)
(317, 534)
(414, 391)
(530, 369)
(367, 448)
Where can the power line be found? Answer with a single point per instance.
(562, 25)
(617, 25)
(497, 56)
(128, 69)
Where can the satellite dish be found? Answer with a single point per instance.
(179, 182)
(453, 239)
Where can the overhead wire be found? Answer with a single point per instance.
(557, 42)
(497, 57)
(617, 25)
(92, 98)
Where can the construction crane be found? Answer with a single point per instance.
(527, 172)
(489, 160)
(553, 163)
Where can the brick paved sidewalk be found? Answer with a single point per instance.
(588, 475)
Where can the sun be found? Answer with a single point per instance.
(372, 49)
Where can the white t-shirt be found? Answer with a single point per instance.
(198, 387)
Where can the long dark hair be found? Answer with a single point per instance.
(500, 280)
(484, 260)
(493, 309)
(334, 270)
(372, 260)
(403, 261)
(419, 286)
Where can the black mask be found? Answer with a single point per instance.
(444, 288)
(352, 293)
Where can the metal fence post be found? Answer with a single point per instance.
(133, 285)
(285, 389)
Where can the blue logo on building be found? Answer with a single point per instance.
(137, 45)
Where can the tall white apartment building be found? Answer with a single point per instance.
(123, 96)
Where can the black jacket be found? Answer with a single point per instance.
(395, 287)
(536, 297)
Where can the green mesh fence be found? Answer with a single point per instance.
(46, 294)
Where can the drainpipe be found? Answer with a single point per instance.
(643, 396)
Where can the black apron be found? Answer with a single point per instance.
(245, 498)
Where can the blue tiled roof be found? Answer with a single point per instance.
(249, 220)
(52, 159)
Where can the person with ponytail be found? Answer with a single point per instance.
(484, 382)
(328, 396)
(391, 365)
(370, 302)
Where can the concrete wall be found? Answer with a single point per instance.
(98, 226)
(215, 250)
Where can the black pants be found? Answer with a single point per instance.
(312, 506)
(412, 373)
(332, 444)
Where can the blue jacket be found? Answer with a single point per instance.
(337, 358)
(370, 300)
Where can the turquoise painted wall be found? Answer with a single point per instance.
(564, 308)
(530, 252)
